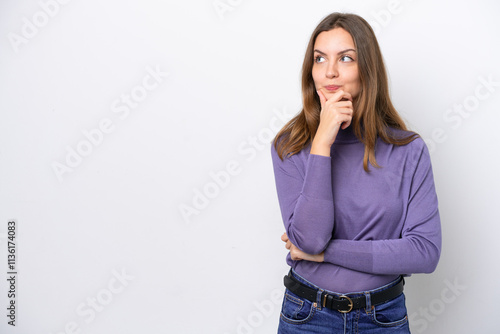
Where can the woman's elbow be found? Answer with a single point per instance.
(430, 261)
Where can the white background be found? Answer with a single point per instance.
(231, 72)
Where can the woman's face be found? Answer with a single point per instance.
(335, 64)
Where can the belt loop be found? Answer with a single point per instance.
(318, 298)
(368, 302)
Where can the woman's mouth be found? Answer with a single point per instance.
(332, 88)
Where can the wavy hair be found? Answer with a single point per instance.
(374, 112)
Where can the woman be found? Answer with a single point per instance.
(356, 191)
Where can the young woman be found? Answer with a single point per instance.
(356, 191)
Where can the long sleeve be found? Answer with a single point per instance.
(419, 246)
(304, 187)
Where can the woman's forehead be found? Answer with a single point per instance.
(334, 41)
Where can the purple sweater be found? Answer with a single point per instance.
(372, 226)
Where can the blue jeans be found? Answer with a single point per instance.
(299, 315)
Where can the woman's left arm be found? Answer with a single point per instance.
(419, 248)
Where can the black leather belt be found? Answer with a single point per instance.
(342, 303)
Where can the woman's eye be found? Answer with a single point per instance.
(346, 59)
(319, 59)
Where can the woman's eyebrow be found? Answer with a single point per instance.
(343, 51)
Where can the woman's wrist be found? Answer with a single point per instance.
(320, 149)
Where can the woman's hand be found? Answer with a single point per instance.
(335, 113)
(298, 255)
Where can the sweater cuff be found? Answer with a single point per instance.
(318, 178)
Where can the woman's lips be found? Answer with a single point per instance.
(332, 88)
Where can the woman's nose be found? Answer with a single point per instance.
(331, 71)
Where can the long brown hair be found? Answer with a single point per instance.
(373, 109)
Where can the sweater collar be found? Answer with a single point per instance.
(346, 136)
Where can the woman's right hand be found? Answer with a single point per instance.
(298, 255)
(336, 113)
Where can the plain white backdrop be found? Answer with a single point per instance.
(134, 158)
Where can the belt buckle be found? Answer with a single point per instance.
(351, 304)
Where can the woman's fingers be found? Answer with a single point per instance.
(298, 255)
(338, 110)
(294, 252)
(287, 241)
(346, 97)
(345, 118)
(346, 124)
(322, 98)
(341, 95)
(336, 113)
